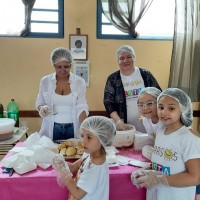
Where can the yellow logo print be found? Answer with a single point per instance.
(168, 154)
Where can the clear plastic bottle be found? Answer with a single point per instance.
(13, 111)
(1, 110)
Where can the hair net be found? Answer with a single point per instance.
(126, 48)
(60, 54)
(150, 90)
(184, 101)
(102, 127)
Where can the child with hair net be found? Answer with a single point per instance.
(147, 106)
(175, 163)
(91, 172)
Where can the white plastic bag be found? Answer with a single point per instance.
(21, 162)
(38, 152)
(111, 154)
(32, 139)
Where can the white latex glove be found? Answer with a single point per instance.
(147, 178)
(44, 111)
(147, 151)
(120, 126)
(62, 170)
(135, 175)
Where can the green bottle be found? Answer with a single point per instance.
(13, 111)
(1, 110)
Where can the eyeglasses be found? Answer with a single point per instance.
(149, 104)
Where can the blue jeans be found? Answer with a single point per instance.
(198, 189)
(63, 131)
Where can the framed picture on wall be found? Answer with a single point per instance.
(81, 68)
(78, 45)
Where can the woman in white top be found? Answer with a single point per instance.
(61, 100)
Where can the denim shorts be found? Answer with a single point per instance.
(198, 189)
(63, 131)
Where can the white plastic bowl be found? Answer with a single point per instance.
(6, 128)
(124, 138)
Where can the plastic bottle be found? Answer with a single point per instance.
(13, 111)
(1, 110)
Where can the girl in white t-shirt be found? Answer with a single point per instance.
(91, 172)
(175, 162)
(147, 106)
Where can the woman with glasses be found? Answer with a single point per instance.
(61, 100)
(122, 88)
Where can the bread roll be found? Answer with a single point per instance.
(71, 151)
(63, 151)
(80, 144)
(69, 143)
(80, 151)
(61, 146)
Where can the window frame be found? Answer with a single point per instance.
(60, 23)
(99, 34)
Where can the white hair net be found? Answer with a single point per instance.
(60, 54)
(150, 90)
(184, 101)
(126, 48)
(102, 127)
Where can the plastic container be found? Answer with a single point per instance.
(125, 138)
(13, 111)
(6, 128)
(1, 110)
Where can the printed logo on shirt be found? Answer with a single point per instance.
(167, 154)
(132, 93)
(132, 83)
(154, 136)
(160, 168)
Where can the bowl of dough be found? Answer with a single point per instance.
(6, 128)
(125, 138)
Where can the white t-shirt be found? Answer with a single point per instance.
(169, 157)
(94, 179)
(152, 128)
(132, 86)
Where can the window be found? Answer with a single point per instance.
(47, 19)
(157, 23)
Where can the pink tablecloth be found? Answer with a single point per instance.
(42, 184)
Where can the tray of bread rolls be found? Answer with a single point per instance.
(71, 148)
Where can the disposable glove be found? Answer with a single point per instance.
(62, 170)
(135, 176)
(44, 111)
(120, 126)
(147, 151)
(148, 178)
